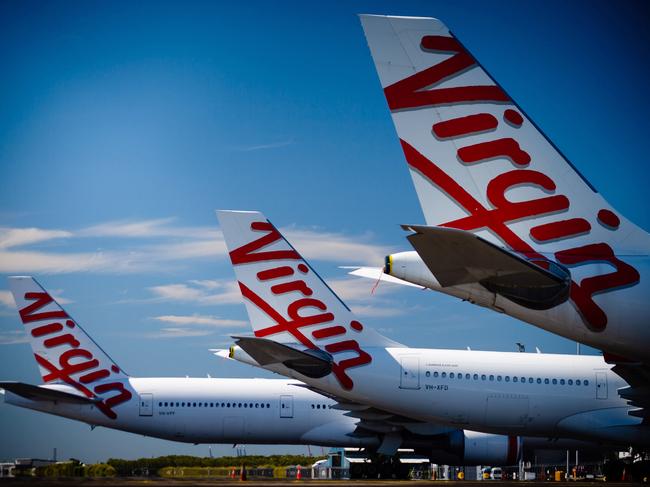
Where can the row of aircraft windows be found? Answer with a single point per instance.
(507, 378)
(320, 406)
(214, 404)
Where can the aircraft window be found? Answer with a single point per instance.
(451, 375)
(427, 373)
(515, 379)
(318, 406)
(491, 377)
(483, 377)
(539, 381)
(554, 381)
(578, 382)
(561, 382)
(223, 404)
(460, 376)
(546, 381)
(435, 374)
(245, 405)
(443, 375)
(212, 404)
(250, 405)
(228, 405)
(523, 379)
(530, 380)
(183, 404)
(507, 378)
(199, 404)
(467, 376)
(194, 405)
(268, 405)
(239, 405)
(313, 406)
(586, 382)
(176, 404)
(205, 404)
(475, 376)
(498, 378)
(570, 382)
(159, 404)
(257, 404)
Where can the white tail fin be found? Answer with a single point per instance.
(63, 350)
(477, 161)
(479, 164)
(286, 299)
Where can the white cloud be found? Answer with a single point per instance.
(160, 227)
(215, 247)
(7, 299)
(271, 145)
(13, 337)
(16, 237)
(167, 243)
(335, 247)
(201, 320)
(357, 289)
(179, 333)
(371, 311)
(34, 262)
(218, 292)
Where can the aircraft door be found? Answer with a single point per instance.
(601, 385)
(286, 406)
(410, 372)
(146, 404)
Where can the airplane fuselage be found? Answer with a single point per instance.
(626, 333)
(208, 410)
(545, 395)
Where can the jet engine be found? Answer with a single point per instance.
(462, 447)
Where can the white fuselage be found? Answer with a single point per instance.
(207, 410)
(543, 395)
(626, 334)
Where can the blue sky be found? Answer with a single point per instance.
(124, 126)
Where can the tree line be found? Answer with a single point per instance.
(151, 466)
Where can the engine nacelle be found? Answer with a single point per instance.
(490, 449)
(471, 448)
(410, 267)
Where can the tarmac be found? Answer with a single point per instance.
(158, 482)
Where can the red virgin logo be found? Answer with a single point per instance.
(287, 279)
(76, 366)
(419, 91)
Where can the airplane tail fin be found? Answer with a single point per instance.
(65, 353)
(286, 299)
(477, 161)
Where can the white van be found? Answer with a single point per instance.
(496, 473)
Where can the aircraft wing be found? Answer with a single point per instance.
(312, 363)
(315, 363)
(637, 375)
(392, 427)
(37, 393)
(378, 274)
(458, 257)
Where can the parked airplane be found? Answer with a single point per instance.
(512, 224)
(83, 383)
(304, 331)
